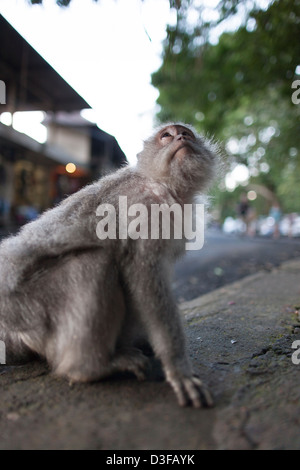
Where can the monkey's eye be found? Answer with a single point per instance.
(166, 134)
(188, 134)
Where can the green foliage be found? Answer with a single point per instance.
(289, 187)
(240, 89)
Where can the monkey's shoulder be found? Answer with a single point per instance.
(133, 185)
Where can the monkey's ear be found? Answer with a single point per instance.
(138, 155)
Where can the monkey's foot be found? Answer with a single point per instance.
(191, 391)
(131, 360)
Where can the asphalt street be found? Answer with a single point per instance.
(225, 259)
(228, 258)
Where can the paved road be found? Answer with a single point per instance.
(227, 258)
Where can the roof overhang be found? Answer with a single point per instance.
(31, 83)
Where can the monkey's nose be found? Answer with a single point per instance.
(181, 137)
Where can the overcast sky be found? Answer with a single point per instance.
(106, 51)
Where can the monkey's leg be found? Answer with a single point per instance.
(83, 345)
(153, 299)
(133, 334)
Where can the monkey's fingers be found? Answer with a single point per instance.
(139, 372)
(191, 391)
(202, 392)
(132, 360)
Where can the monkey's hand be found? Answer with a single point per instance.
(189, 390)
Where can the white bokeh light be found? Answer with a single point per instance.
(239, 175)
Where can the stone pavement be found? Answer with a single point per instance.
(240, 341)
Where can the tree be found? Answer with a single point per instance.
(240, 91)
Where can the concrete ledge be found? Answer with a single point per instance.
(240, 341)
(238, 286)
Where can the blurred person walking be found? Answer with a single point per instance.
(276, 214)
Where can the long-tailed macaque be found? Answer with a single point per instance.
(85, 304)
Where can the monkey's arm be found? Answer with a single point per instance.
(159, 313)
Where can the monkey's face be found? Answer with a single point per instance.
(177, 156)
(176, 141)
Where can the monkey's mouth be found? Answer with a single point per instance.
(186, 145)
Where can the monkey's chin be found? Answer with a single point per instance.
(183, 152)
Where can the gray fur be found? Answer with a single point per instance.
(84, 304)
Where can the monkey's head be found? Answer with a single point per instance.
(178, 157)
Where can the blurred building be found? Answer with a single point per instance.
(35, 176)
(91, 148)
